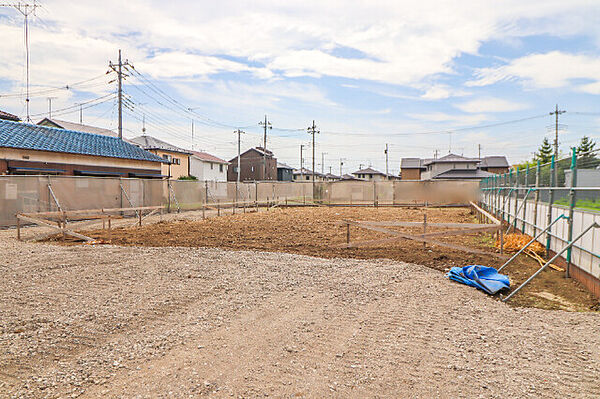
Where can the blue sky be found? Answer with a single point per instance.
(419, 76)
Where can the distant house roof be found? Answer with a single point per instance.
(368, 171)
(463, 174)
(281, 165)
(152, 143)
(350, 177)
(42, 138)
(9, 117)
(307, 172)
(495, 161)
(205, 156)
(259, 150)
(77, 127)
(451, 158)
(331, 176)
(411, 163)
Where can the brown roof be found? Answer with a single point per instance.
(9, 117)
(205, 156)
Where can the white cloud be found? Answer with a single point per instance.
(549, 70)
(459, 120)
(441, 92)
(491, 104)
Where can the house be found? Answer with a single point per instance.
(33, 149)
(370, 174)
(306, 175)
(178, 159)
(451, 166)
(9, 117)
(348, 177)
(284, 172)
(60, 124)
(252, 166)
(331, 177)
(494, 164)
(205, 166)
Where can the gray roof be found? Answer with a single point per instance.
(281, 165)
(411, 163)
(463, 174)
(495, 161)
(368, 171)
(331, 176)
(305, 171)
(451, 158)
(43, 138)
(350, 177)
(77, 126)
(152, 143)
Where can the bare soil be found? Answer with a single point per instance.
(320, 231)
(138, 322)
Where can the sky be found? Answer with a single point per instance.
(422, 76)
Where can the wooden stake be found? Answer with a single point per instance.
(347, 233)
(140, 218)
(18, 228)
(424, 229)
(501, 241)
(218, 207)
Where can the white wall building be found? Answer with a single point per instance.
(205, 166)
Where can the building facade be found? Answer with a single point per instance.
(284, 172)
(205, 166)
(33, 149)
(452, 166)
(252, 166)
(177, 160)
(370, 174)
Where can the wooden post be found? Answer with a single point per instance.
(501, 232)
(218, 207)
(64, 225)
(234, 205)
(18, 228)
(203, 211)
(140, 218)
(348, 233)
(109, 230)
(424, 229)
(244, 206)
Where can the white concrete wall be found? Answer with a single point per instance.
(581, 220)
(210, 171)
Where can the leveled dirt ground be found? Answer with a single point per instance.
(318, 232)
(127, 322)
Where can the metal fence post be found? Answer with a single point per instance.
(550, 201)
(516, 200)
(572, 203)
(537, 197)
(525, 204)
(508, 197)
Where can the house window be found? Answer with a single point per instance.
(211, 166)
(307, 177)
(252, 168)
(370, 176)
(177, 161)
(221, 168)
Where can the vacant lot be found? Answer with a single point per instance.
(319, 232)
(106, 321)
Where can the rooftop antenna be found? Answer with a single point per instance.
(25, 9)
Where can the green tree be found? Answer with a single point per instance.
(586, 147)
(544, 153)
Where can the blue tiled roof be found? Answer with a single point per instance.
(43, 138)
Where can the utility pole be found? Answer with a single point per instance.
(118, 69)
(556, 113)
(50, 106)
(313, 130)
(323, 162)
(267, 125)
(386, 161)
(435, 154)
(301, 163)
(80, 113)
(26, 10)
(239, 143)
(479, 147)
(341, 164)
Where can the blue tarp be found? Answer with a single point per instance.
(484, 278)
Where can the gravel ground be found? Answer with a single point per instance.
(117, 322)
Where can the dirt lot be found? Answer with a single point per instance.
(113, 322)
(318, 232)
